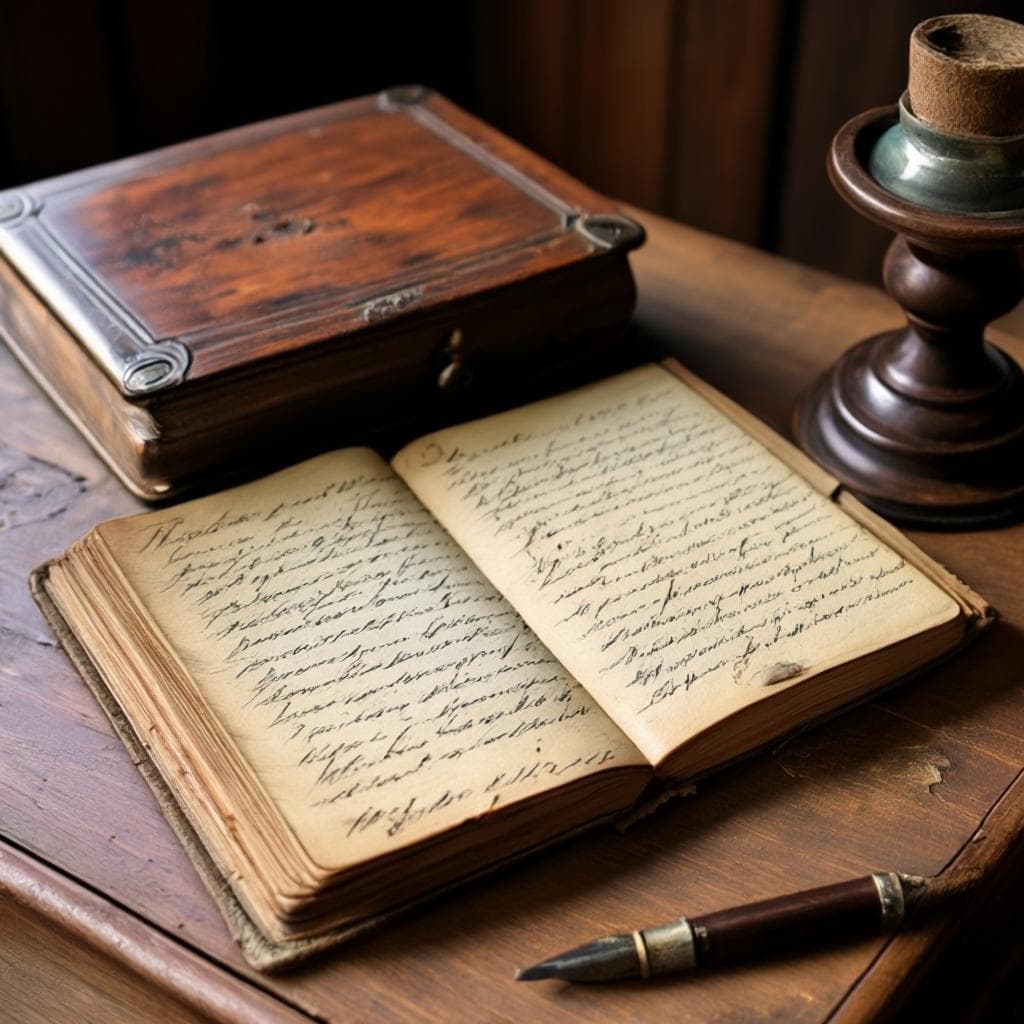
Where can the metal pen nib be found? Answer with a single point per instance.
(872, 904)
(604, 959)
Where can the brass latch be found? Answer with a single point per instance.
(456, 375)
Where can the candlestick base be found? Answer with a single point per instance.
(952, 465)
(926, 424)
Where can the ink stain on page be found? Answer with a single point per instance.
(746, 674)
(781, 672)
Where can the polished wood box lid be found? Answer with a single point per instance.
(250, 251)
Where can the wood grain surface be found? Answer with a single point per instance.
(904, 782)
(106, 963)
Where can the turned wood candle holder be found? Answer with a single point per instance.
(926, 423)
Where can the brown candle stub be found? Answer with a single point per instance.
(967, 75)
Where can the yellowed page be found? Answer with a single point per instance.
(670, 561)
(377, 684)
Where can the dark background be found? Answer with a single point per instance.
(715, 112)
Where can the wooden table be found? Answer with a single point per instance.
(102, 917)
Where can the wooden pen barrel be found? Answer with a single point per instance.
(857, 906)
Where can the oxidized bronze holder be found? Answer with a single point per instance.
(926, 423)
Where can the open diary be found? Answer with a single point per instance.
(356, 683)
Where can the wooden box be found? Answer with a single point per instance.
(318, 279)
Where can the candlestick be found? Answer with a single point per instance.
(926, 423)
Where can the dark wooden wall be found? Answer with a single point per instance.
(716, 112)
